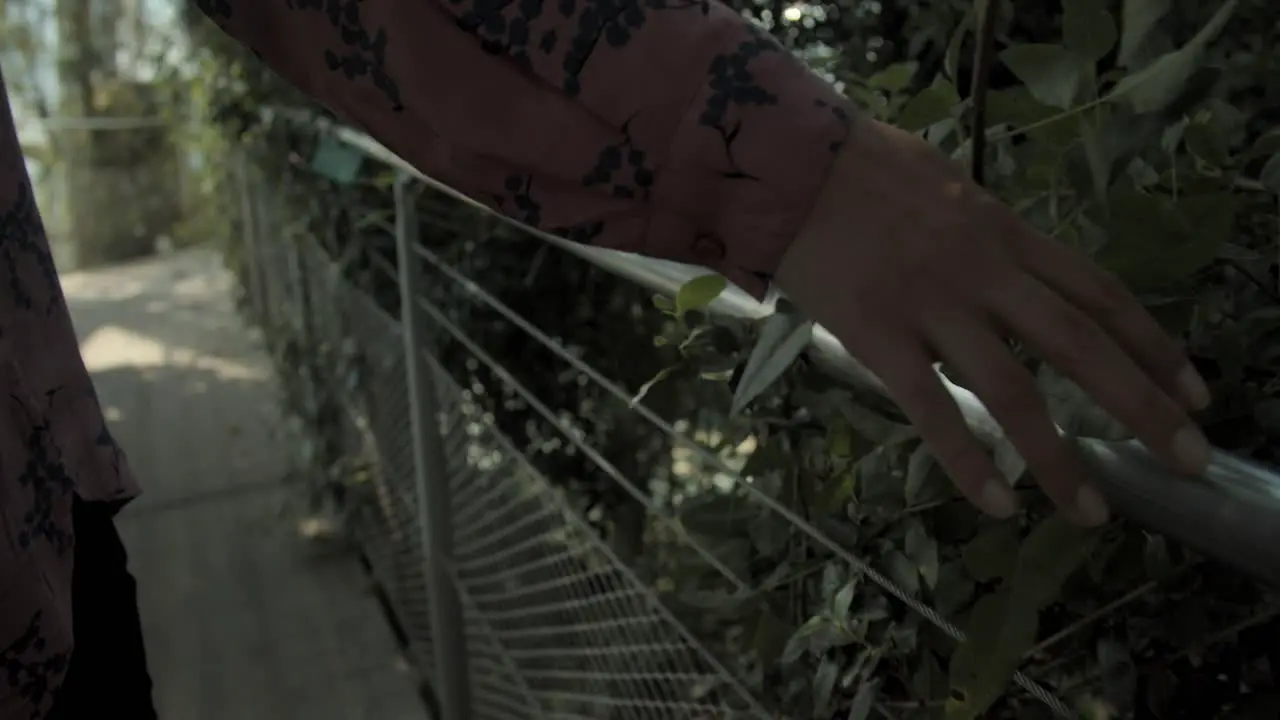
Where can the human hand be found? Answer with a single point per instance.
(907, 262)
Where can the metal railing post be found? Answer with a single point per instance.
(249, 227)
(448, 633)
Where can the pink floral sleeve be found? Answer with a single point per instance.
(672, 128)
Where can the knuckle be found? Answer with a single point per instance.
(923, 387)
(961, 454)
(1114, 305)
(1110, 295)
(1052, 461)
(1076, 341)
(1149, 409)
(1014, 402)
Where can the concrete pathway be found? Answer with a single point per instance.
(246, 618)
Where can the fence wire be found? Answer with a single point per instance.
(556, 625)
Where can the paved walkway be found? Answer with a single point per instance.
(245, 618)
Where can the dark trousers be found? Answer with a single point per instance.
(107, 675)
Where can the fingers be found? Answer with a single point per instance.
(905, 369)
(1010, 394)
(1105, 299)
(1080, 349)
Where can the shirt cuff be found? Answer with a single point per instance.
(747, 161)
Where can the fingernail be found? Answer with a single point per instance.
(1193, 388)
(1191, 448)
(998, 499)
(1090, 506)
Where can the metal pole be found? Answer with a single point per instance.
(250, 240)
(447, 620)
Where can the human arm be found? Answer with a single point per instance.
(677, 130)
(652, 126)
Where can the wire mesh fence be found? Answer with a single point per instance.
(514, 603)
(555, 625)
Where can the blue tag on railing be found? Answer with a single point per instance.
(337, 160)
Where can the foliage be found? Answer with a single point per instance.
(1139, 132)
(1123, 137)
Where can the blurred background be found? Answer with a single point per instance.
(642, 508)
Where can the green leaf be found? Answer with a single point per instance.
(840, 440)
(1053, 550)
(798, 643)
(1088, 29)
(895, 77)
(1139, 17)
(864, 701)
(903, 571)
(1157, 85)
(699, 293)
(770, 638)
(824, 683)
(951, 61)
(918, 467)
(875, 427)
(1138, 231)
(923, 551)
(843, 600)
(1017, 108)
(1270, 175)
(783, 336)
(1206, 223)
(836, 492)
(1052, 73)
(1099, 153)
(1152, 242)
(1266, 144)
(1205, 142)
(993, 553)
(932, 105)
(833, 578)
(872, 102)
(998, 633)
(1002, 626)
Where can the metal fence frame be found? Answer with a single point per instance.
(1230, 514)
(436, 511)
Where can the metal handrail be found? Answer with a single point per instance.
(1231, 513)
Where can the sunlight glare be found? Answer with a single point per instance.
(112, 347)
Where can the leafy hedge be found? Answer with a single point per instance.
(1140, 132)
